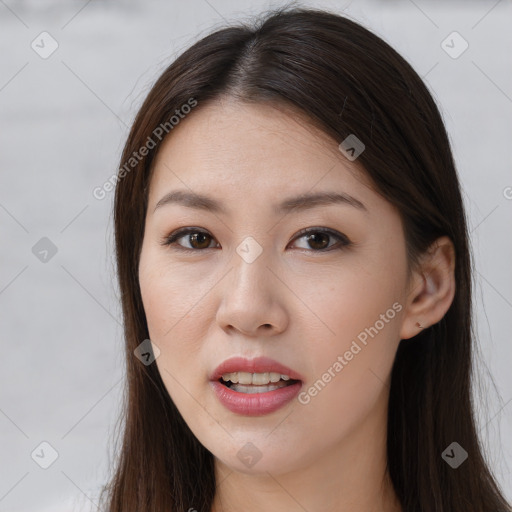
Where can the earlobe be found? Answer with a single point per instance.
(433, 294)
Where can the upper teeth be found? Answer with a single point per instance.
(254, 378)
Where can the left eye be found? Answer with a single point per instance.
(317, 238)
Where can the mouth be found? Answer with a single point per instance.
(255, 387)
(252, 383)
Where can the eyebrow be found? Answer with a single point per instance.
(297, 203)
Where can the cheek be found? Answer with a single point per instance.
(351, 364)
(170, 294)
(171, 305)
(353, 298)
(169, 308)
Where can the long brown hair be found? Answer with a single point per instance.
(348, 81)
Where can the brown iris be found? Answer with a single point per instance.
(316, 237)
(200, 239)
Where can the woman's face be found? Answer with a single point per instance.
(245, 282)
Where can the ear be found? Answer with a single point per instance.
(432, 288)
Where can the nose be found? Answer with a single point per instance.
(252, 300)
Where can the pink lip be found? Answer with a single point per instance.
(258, 403)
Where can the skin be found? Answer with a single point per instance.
(205, 306)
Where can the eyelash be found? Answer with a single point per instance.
(343, 240)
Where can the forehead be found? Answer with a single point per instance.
(256, 148)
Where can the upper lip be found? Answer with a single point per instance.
(257, 365)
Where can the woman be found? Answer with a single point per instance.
(290, 235)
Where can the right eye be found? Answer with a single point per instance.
(197, 239)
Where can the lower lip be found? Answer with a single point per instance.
(255, 404)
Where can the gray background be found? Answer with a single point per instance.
(63, 122)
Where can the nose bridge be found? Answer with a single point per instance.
(251, 262)
(249, 294)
